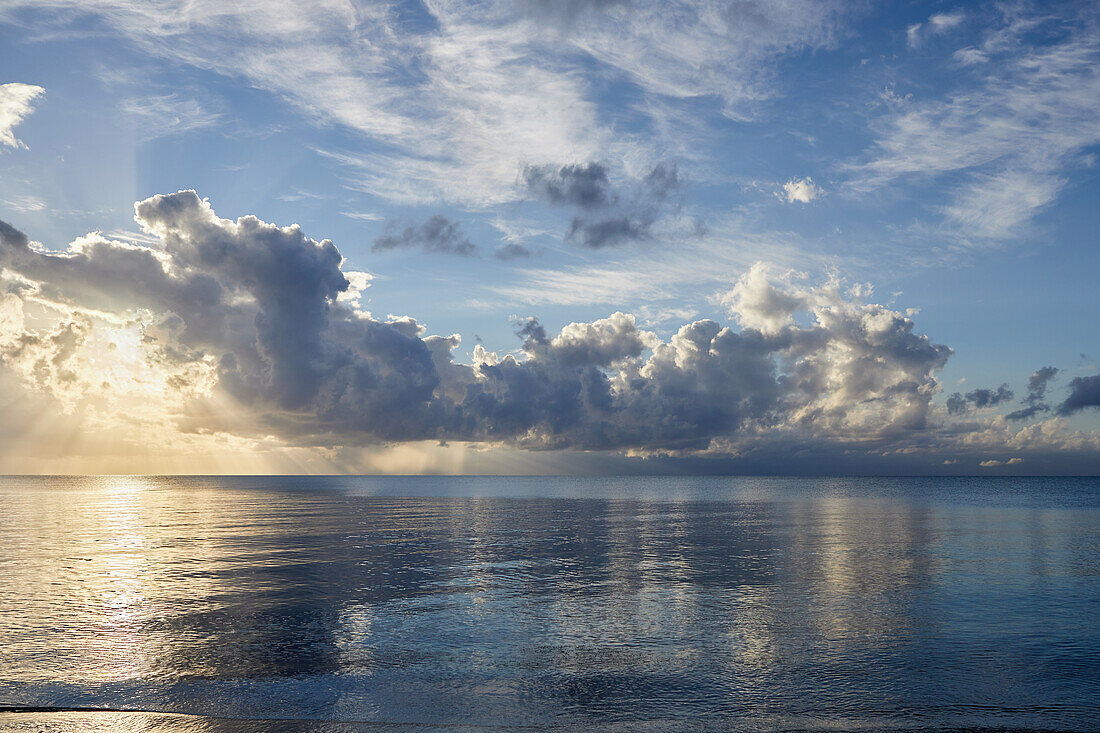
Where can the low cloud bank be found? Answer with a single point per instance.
(248, 328)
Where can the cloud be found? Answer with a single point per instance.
(567, 12)
(1084, 392)
(437, 235)
(997, 205)
(1028, 412)
(937, 24)
(702, 260)
(993, 463)
(978, 398)
(1036, 390)
(913, 35)
(1038, 381)
(606, 215)
(163, 115)
(361, 215)
(586, 187)
(254, 314)
(24, 204)
(803, 191)
(512, 251)
(946, 21)
(970, 56)
(997, 145)
(250, 331)
(15, 105)
(447, 108)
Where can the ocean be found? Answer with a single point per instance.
(546, 603)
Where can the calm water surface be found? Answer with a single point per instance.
(608, 604)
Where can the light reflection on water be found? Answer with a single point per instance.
(616, 603)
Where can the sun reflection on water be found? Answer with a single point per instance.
(259, 597)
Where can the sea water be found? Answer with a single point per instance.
(333, 604)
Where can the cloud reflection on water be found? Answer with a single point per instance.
(209, 596)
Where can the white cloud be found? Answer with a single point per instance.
(25, 204)
(994, 463)
(912, 34)
(361, 215)
(802, 190)
(945, 21)
(690, 49)
(999, 205)
(15, 104)
(937, 24)
(163, 115)
(757, 303)
(454, 110)
(970, 56)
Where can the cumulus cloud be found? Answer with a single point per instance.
(994, 463)
(250, 330)
(437, 235)
(607, 215)
(15, 104)
(801, 190)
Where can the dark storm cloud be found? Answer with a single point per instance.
(957, 404)
(1084, 392)
(1036, 390)
(606, 216)
(437, 235)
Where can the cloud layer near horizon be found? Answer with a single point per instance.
(244, 328)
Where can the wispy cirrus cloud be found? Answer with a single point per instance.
(162, 115)
(684, 262)
(937, 23)
(1001, 142)
(25, 203)
(448, 105)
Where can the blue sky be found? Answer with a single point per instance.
(487, 162)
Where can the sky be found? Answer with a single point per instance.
(549, 236)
